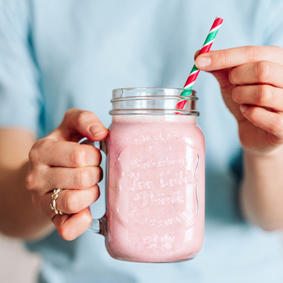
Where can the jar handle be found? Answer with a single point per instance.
(98, 226)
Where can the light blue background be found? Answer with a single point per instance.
(55, 55)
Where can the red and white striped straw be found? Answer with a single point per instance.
(205, 48)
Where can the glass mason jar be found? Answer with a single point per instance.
(155, 178)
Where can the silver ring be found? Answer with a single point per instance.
(53, 204)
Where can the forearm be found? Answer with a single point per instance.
(262, 189)
(18, 217)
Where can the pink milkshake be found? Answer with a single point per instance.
(155, 188)
(154, 177)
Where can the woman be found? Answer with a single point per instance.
(61, 55)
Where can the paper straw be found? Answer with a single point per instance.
(195, 71)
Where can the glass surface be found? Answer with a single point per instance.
(153, 101)
(155, 178)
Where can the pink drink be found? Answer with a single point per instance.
(155, 191)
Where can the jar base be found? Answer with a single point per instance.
(153, 261)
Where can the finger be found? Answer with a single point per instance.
(72, 226)
(67, 178)
(78, 124)
(259, 95)
(70, 201)
(271, 122)
(259, 72)
(228, 58)
(64, 154)
(197, 54)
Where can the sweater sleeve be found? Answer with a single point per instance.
(21, 100)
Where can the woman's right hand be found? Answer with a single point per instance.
(58, 161)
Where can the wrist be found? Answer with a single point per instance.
(264, 154)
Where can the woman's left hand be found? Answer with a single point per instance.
(251, 81)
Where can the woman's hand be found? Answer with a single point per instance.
(58, 161)
(251, 81)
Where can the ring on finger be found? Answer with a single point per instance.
(53, 205)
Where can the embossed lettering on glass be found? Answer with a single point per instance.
(155, 177)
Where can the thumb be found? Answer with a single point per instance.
(222, 75)
(78, 124)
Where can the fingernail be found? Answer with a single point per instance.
(243, 108)
(96, 129)
(203, 61)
